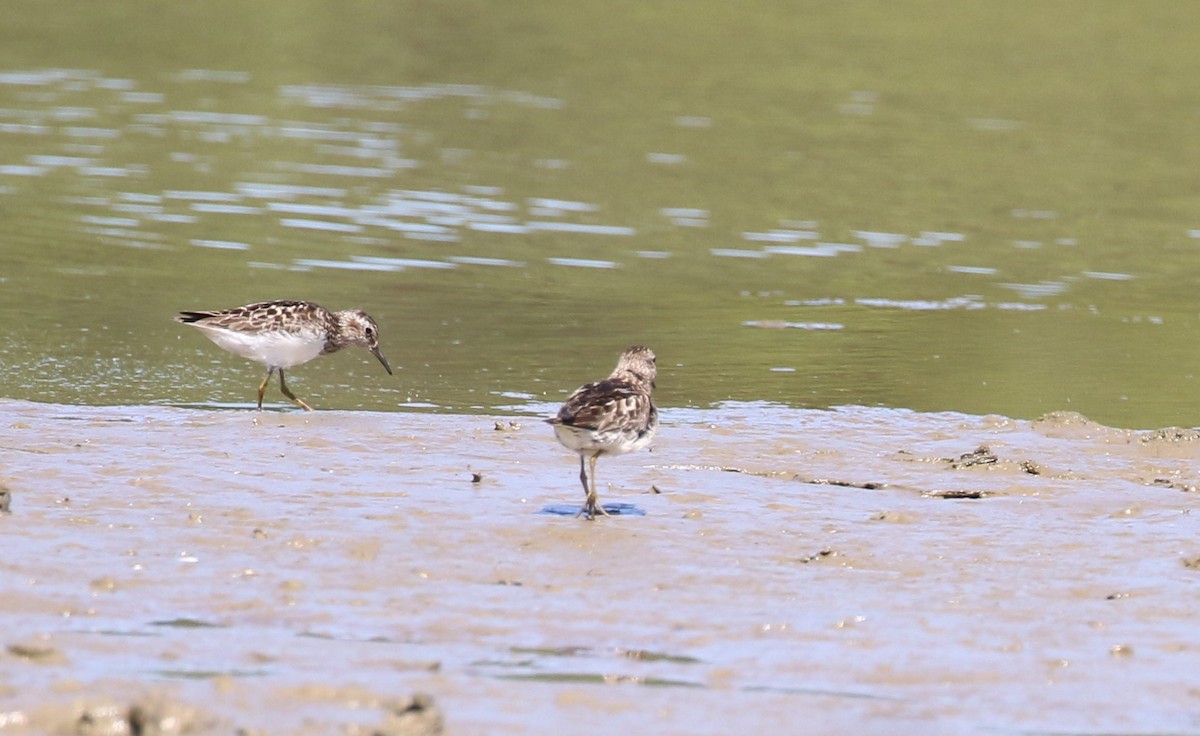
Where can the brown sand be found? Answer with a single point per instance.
(775, 571)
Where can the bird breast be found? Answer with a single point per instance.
(272, 349)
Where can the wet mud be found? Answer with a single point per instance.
(182, 570)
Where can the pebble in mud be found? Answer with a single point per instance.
(37, 652)
(415, 716)
(894, 517)
(981, 457)
(1067, 424)
(1176, 485)
(817, 556)
(153, 717)
(957, 494)
(1169, 435)
(106, 584)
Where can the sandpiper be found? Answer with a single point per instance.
(609, 417)
(284, 334)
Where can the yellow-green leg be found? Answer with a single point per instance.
(583, 475)
(590, 505)
(283, 387)
(262, 387)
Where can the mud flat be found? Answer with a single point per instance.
(772, 570)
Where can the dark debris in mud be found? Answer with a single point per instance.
(153, 717)
(868, 486)
(1174, 485)
(645, 655)
(981, 457)
(957, 494)
(416, 715)
(187, 623)
(36, 653)
(757, 473)
(817, 556)
(1170, 435)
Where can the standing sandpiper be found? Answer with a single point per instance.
(609, 417)
(284, 334)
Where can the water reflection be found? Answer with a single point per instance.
(537, 224)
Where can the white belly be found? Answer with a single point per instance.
(613, 442)
(272, 349)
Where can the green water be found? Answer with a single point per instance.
(971, 206)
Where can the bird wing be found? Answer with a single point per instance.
(604, 405)
(258, 317)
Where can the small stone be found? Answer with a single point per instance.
(105, 584)
(416, 716)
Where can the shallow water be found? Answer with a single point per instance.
(955, 207)
(290, 572)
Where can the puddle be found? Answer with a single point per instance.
(593, 679)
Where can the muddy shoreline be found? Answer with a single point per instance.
(864, 570)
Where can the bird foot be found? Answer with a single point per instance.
(590, 507)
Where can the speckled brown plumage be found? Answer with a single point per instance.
(283, 334)
(609, 417)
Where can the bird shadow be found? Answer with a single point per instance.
(613, 509)
(240, 406)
